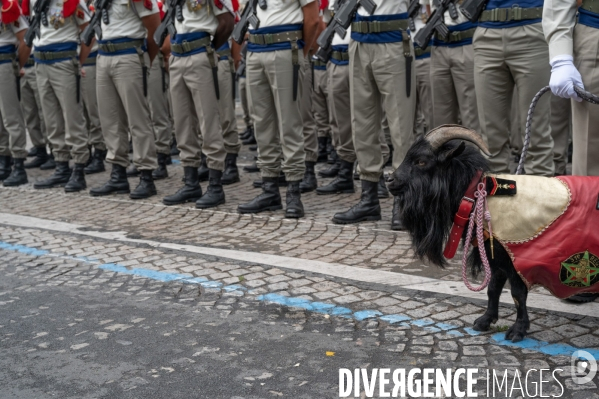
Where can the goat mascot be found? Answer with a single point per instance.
(545, 230)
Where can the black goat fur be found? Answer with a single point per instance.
(430, 185)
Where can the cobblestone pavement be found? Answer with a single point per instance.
(71, 303)
(208, 300)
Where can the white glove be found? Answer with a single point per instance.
(564, 76)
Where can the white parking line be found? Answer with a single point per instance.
(398, 280)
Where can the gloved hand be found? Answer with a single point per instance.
(564, 76)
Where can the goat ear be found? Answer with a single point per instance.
(449, 155)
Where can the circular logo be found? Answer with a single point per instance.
(584, 367)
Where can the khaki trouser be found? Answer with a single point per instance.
(504, 58)
(124, 109)
(585, 116)
(196, 111)
(277, 118)
(90, 102)
(378, 73)
(159, 108)
(242, 83)
(11, 116)
(62, 113)
(424, 99)
(226, 103)
(341, 111)
(320, 106)
(32, 109)
(310, 128)
(452, 82)
(561, 118)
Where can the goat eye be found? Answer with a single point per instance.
(420, 162)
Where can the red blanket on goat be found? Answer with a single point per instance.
(563, 256)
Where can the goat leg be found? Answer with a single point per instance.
(517, 332)
(498, 279)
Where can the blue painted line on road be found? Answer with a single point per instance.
(176, 162)
(317, 307)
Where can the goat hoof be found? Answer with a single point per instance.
(516, 333)
(483, 323)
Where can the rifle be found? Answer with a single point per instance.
(435, 23)
(167, 26)
(413, 10)
(248, 16)
(95, 24)
(473, 8)
(342, 19)
(40, 11)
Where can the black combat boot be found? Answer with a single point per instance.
(203, 171)
(396, 221)
(32, 152)
(246, 133)
(309, 182)
(77, 180)
(253, 168)
(118, 183)
(174, 149)
(169, 159)
(383, 192)
(295, 208)
(91, 155)
(161, 172)
(330, 151)
(50, 163)
(132, 171)
(41, 157)
(190, 192)
(281, 181)
(368, 208)
(215, 195)
(97, 162)
(322, 150)
(253, 148)
(268, 200)
(18, 175)
(146, 187)
(251, 140)
(59, 178)
(390, 160)
(5, 166)
(332, 170)
(344, 182)
(231, 173)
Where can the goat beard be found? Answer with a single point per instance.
(429, 205)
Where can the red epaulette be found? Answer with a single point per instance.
(69, 7)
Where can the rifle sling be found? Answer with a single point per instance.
(511, 14)
(379, 26)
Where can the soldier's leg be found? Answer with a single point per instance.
(310, 130)
(159, 111)
(389, 69)
(527, 59)
(446, 108)
(585, 118)
(90, 99)
(31, 112)
(228, 120)
(242, 83)
(560, 121)
(53, 118)
(95, 138)
(11, 117)
(261, 101)
(423, 85)
(462, 72)
(493, 84)
(340, 106)
(320, 110)
(128, 80)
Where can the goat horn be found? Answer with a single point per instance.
(444, 133)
